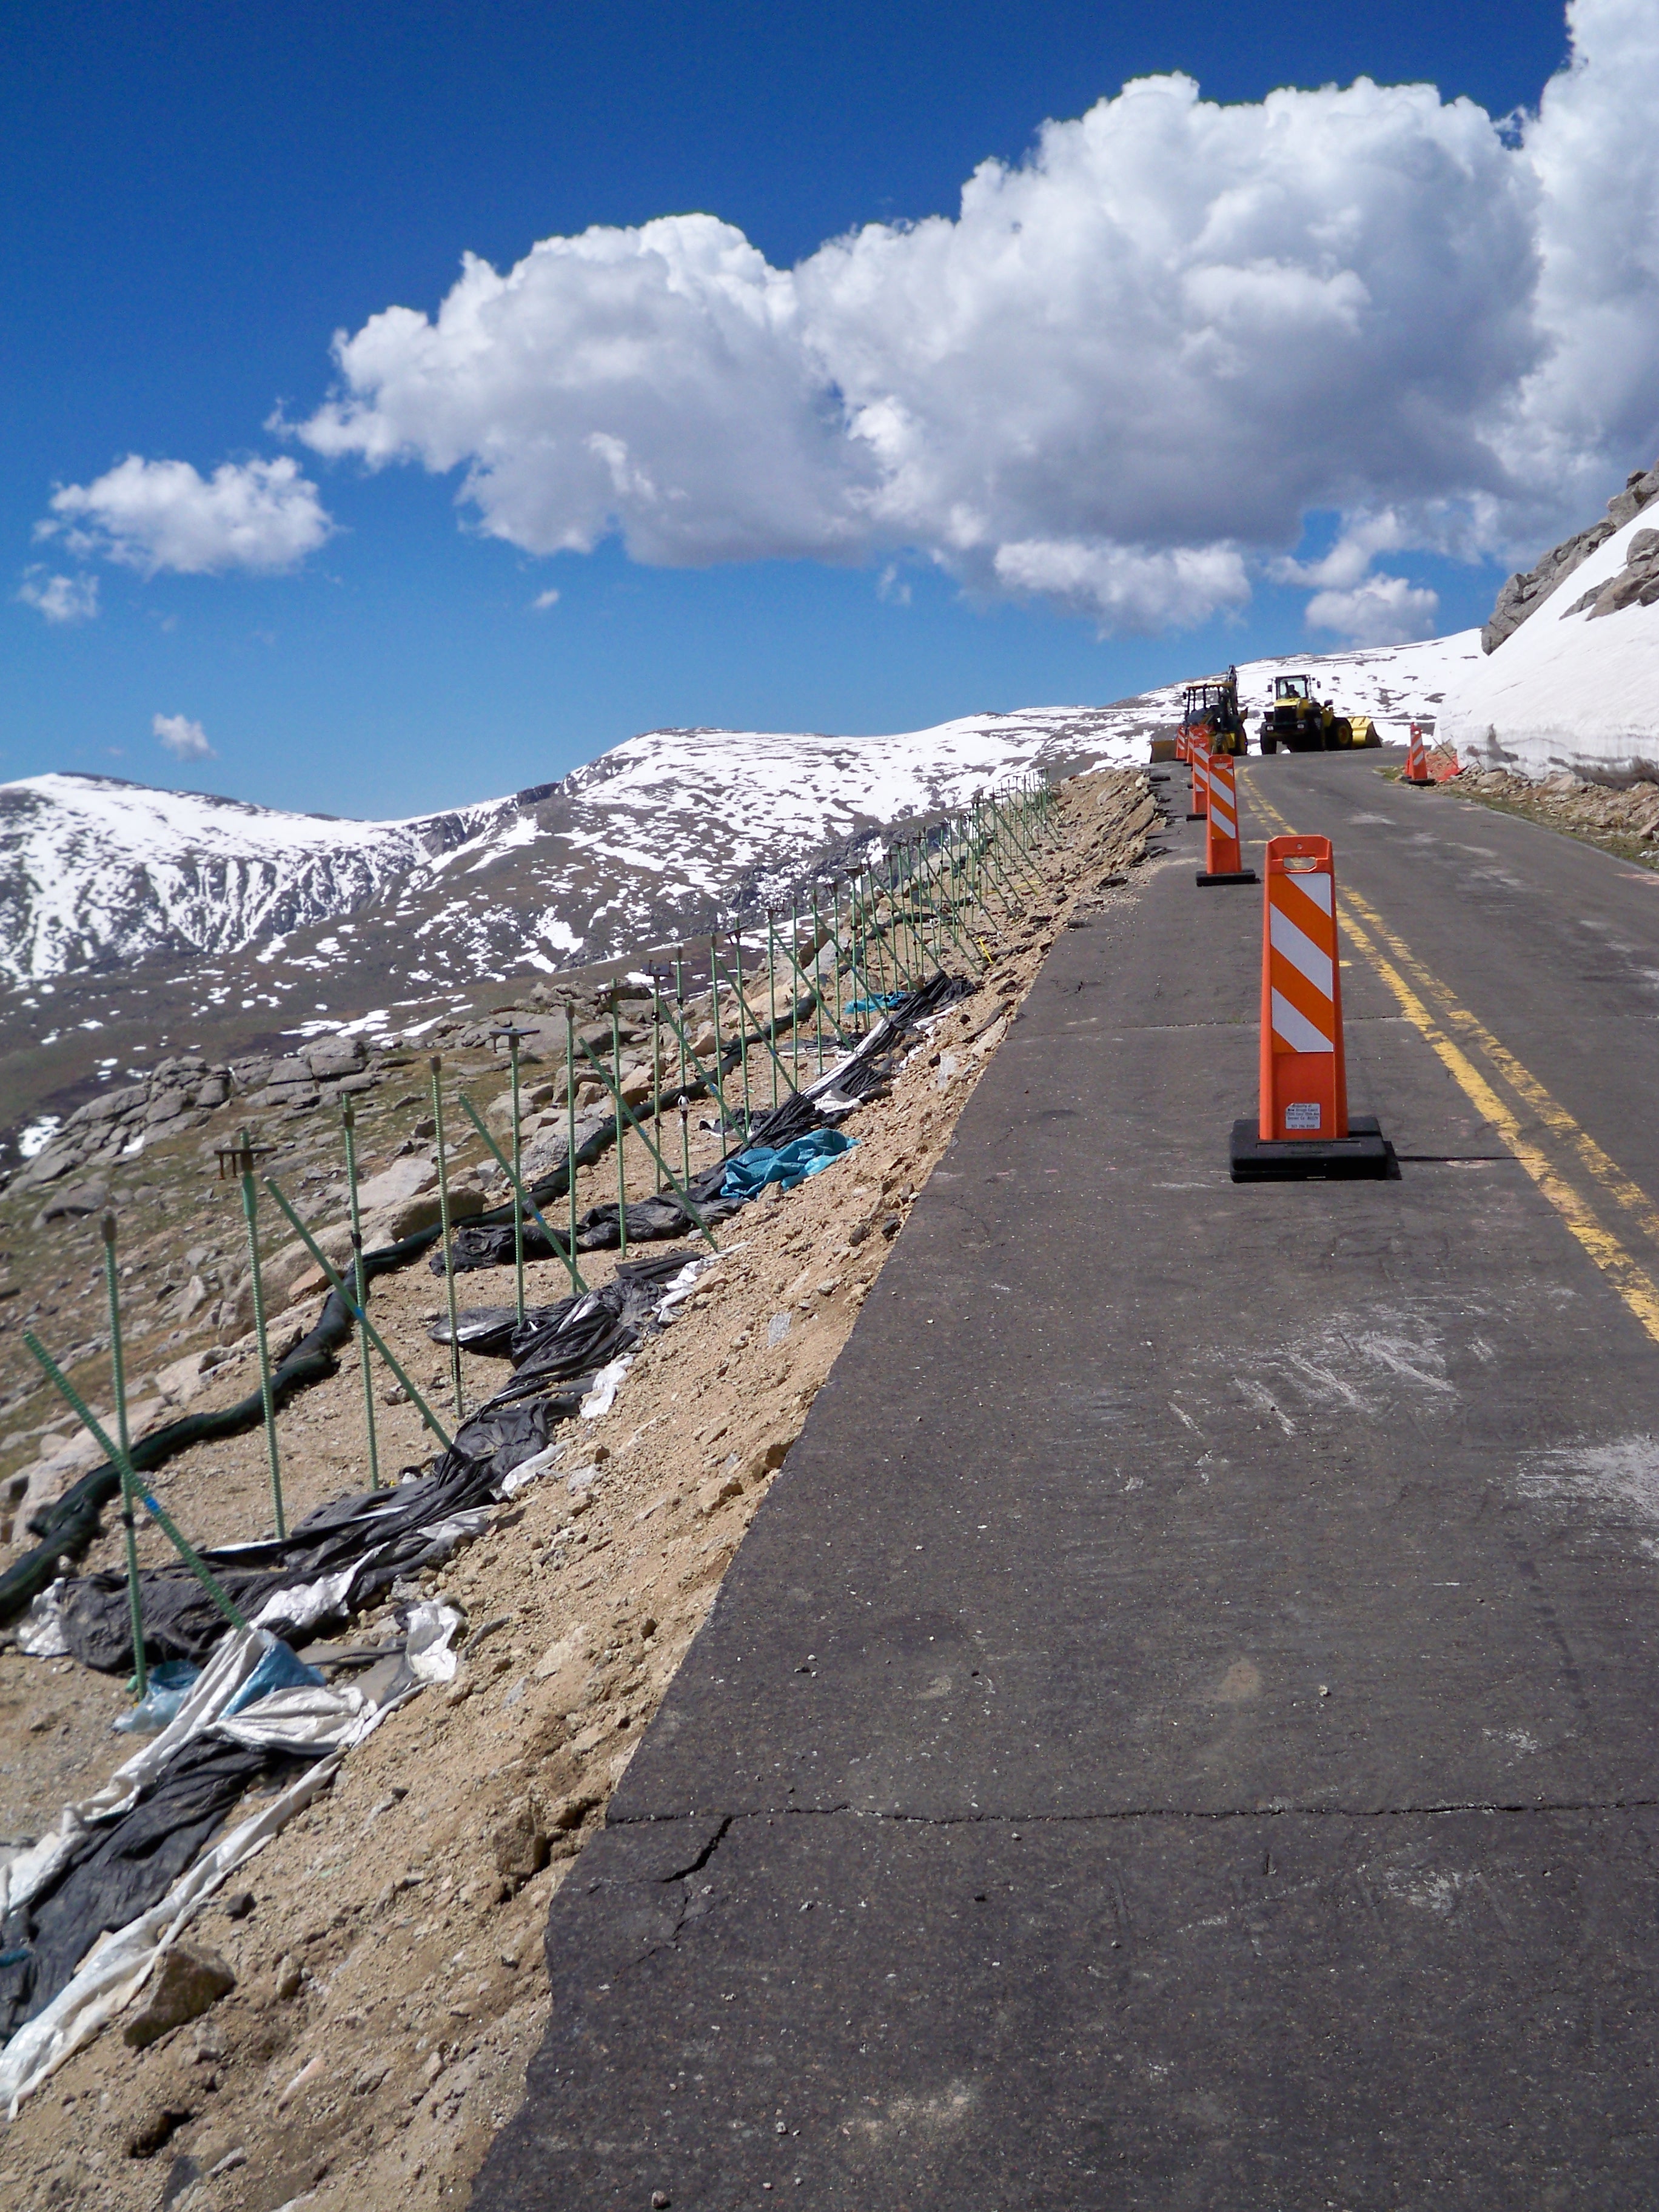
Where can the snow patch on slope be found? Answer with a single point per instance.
(1562, 692)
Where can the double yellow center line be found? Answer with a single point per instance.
(1459, 1039)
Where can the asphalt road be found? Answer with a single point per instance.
(1182, 1731)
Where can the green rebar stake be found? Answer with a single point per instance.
(622, 1165)
(720, 1058)
(570, 1119)
(834, 939)
(577, 1284)
(685, 1141)
(772, 1000)
(743, 1022)
(117, 1364)
(123, 1466)
(245, 1158)
(436, 1064)
(348, 1125)
(656, 1066)
(428, 1417)
(683, 1190)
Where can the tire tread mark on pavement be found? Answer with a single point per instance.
(1634, 1285)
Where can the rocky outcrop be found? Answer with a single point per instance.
(180, 1095)
(1525, 593)
(1636, 584)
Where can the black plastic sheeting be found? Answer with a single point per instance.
(489, 1244)
(395, 1526)
(564, 1346)
(66, 1528)
(120, 1868)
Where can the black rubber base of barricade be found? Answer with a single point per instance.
(1364, 1155)
(1206, 881)
(1199, 816)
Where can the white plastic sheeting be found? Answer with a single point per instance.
(310, 1719)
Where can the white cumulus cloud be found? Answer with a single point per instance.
(1121, 377)
(264, 516)
(1381, 610)
(184, 740)
(59, 599)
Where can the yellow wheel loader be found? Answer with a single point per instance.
(1303, 723)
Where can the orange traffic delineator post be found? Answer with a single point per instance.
(1224, 857)
(1302, 1129)
(1417, 761)
(1197, 758)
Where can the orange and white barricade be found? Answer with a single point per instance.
(1198, 759)
(1417, 759)
(1303, 1127)
(1223, 856)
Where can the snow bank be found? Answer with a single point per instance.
(1565, 692)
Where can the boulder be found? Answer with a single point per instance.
(292, 1268)
(335, 1056)
(404, 1179)
(409, 1215)
(165, 1106)
(180, 1382)
(522, 1841)
(113, 1106)
(47, 1166)
(74, 1201)
(188, 1980)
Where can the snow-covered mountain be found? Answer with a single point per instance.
(97, 872)
(651, 840)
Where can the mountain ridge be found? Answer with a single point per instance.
(135, 923)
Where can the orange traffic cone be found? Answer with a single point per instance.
(1417, 760)
(1223, 858)
(1198, 756)
(1302, 1127)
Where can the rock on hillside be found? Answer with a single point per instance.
(1575, 689)
(1525, 593)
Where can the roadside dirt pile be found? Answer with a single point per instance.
(348, 2020)
(1624, 821)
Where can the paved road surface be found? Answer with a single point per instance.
(1183, 1731)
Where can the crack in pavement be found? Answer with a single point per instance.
(1437, 1808)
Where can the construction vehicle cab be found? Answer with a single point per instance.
(1210, 711)
(1302, 723)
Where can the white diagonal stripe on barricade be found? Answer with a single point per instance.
(1225, 821)
(1317, 888)
(1298, 1031)
(1299, 949)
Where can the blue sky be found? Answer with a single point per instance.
(197, 201)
